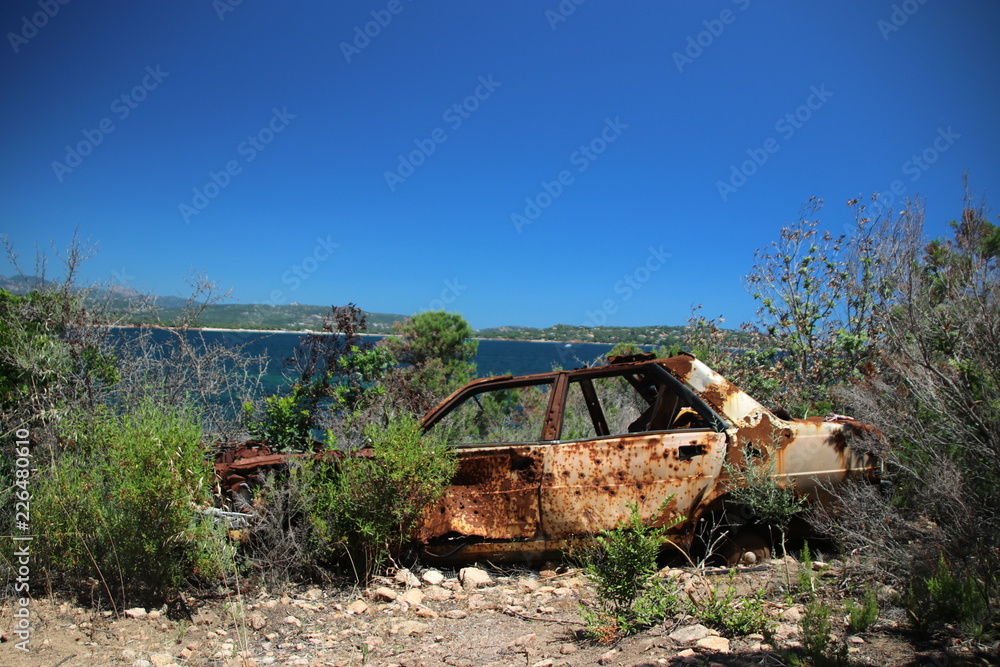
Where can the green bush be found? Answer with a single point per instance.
(118, 507)
(946, 596)
(860, 617)
(818, 646)
(621, 563)
(284, 423)
(806, 576)
(756, 486)
(731, 612)
(362, 507)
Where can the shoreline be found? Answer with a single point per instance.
(380, 335)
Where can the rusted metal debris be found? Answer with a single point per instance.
(571, 450)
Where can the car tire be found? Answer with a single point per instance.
(750, 546)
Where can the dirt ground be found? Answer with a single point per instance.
(425, 618)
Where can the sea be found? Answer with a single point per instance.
(494, 357)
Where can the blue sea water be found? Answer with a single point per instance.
(494, 357)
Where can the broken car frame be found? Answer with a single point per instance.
(547, 460)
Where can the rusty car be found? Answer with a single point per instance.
(571, 450)
(547, 460)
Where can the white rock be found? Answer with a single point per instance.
(160, 659)
(409, 628)
(716, 644)
(257, 620)
(437, 593)
(690, 634)
(432, 577)
(413, 596)
(792, 615)
(473, 577)
(357, 607)
(137, 612)
(407, 578)
(384, 593)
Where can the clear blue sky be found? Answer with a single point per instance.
(618, 121)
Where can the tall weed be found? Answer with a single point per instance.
(118, 506)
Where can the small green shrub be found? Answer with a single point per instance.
(947, 596)
(756, 486)
(621, 563)
(118, 507)
(807, 579)
(362, 507)
(817, 644)
(862, 616)
(285, 423)
(731, 612)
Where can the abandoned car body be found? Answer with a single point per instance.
(654, 433)
(547, 460)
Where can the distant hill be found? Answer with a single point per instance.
(650, 335)
(291, 317)
(298, 317)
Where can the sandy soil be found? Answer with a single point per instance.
(524, 619)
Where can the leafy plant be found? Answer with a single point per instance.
(817, 644)
(362, 507)
(756, 486)
(946, 596)
(621, 562)
(731, 612)
(285, 423)
(807, 579)
(862, 616)
(118, 507)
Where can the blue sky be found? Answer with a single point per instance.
(517, 162)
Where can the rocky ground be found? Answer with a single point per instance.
(463, 618)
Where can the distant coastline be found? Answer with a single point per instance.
(379, 335)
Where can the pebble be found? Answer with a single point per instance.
(384, 593)
(473, 577)
(407, 578)
(690, 633)
(409, 628)
(413, 596)
(716, 644)
(357, 607)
